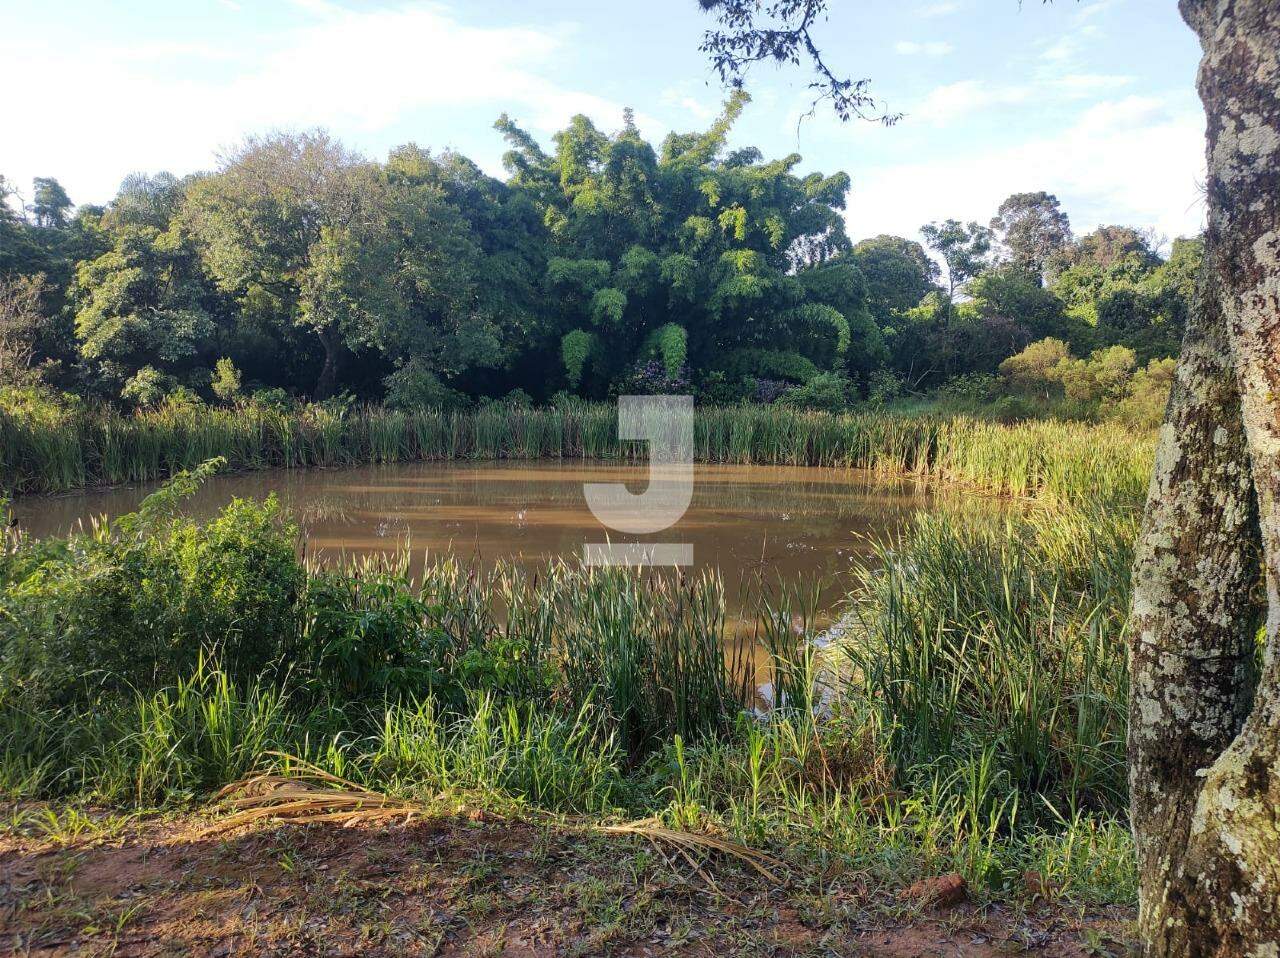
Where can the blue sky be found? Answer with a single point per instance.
(1092, 100)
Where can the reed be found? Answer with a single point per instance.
(1005, 639)
(1061, 461)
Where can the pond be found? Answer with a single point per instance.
(789, 523)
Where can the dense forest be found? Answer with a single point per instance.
(602, 266)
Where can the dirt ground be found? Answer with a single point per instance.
(75, 883)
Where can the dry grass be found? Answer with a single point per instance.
(301, 793)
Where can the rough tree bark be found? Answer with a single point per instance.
(1204, 747)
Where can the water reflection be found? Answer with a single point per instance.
(776, 521)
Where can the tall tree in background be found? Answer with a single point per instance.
(898, 274)
(21, 325)
(289, 227)
(1032, 230)
(1204, 736)
(692, 254)
(50, 204)
(964, 249)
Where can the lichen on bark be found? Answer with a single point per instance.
(1204, 745)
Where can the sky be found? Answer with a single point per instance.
(1091, 100)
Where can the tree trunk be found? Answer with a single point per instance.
(1204, 749)
(328, 381)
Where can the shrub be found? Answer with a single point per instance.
(829, 392)
(884, 386)
(226, 381)
(518, 399)
(1034, 369)
(275, 399)
(654, 379)
(414, 386)
(367, 636)
(972, 387)
(767, 390)
(135, 604)
(1104, 377)
(147, 387)
(1147, 395)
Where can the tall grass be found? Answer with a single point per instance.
(1068, 462)
(1003, 639)
(971, 717)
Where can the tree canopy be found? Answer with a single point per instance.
(601, 264)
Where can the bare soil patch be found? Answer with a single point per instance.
(465, 884)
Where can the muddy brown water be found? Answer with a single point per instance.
(791, 524)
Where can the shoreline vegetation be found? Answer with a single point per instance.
(49, 448)
(971, 719)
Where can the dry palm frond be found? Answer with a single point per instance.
(686, 842)
(306, 793)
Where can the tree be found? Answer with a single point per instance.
(144, 302)
(50, 204)
(722, 252)
(290, 227)
(898, 274)
(963, 248)
(21, 324)
(1012, 293)
(1108, 245)
(753, 32)
(1204, 736)
(1032, 230)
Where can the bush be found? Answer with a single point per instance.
(367, 636)
(1035, 368)
(1104, 377)
(414, 386)
(654, 379)
(829, 392)
(274, 399)
(973, 388)
(226, 381)
(1147, 395)
(884, 386)
(147, 387)
(766, 391)
(134, 605)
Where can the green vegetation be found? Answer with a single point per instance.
(605, 265)
(48, 447)
(305, 306)
(970, 717)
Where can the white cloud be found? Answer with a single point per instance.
(355, 71)
(940, 9)
(699, 109)
(952, 101)
(1133, 161)
(1089, 11)
(931, 48)
(1085, 84)
(1061, 50)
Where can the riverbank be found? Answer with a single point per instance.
(53, 449)
(463, 883)
(972, 720)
